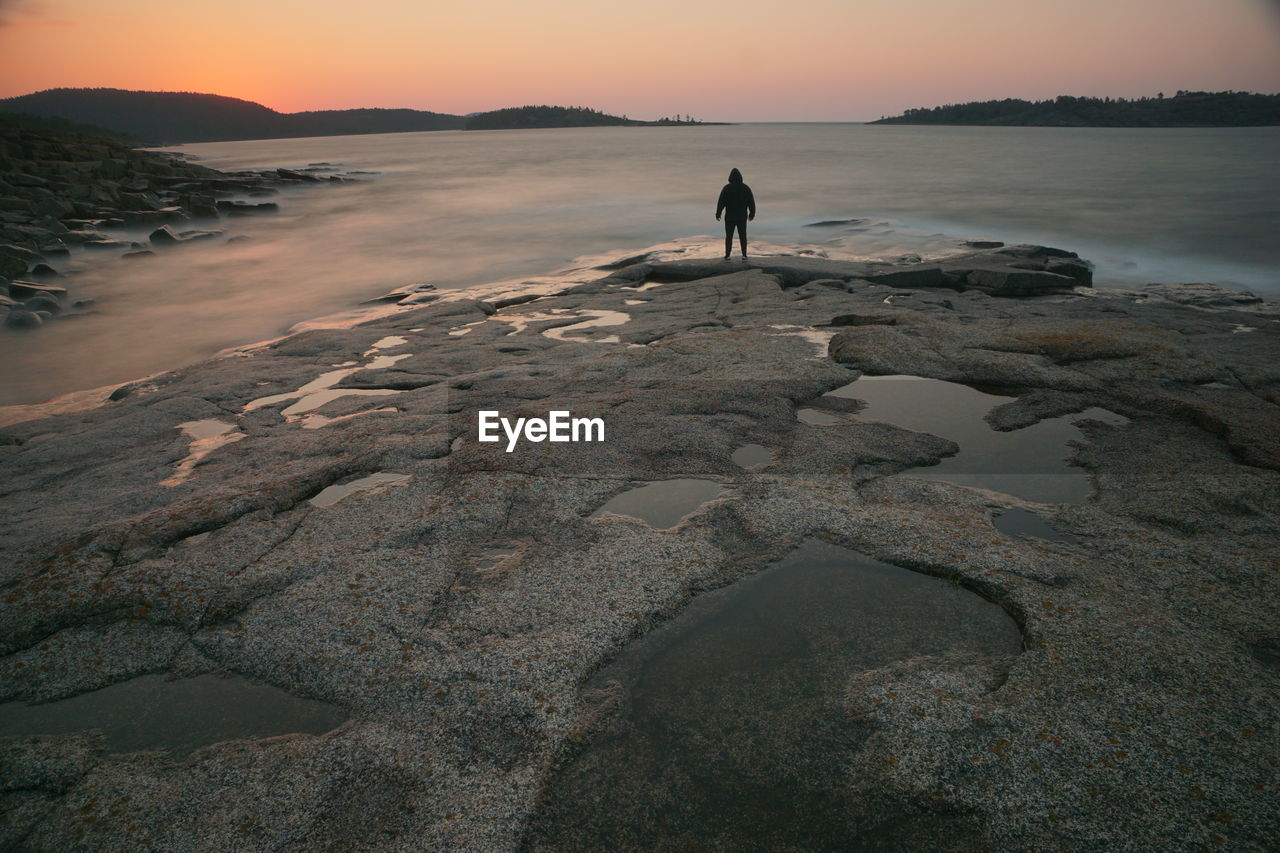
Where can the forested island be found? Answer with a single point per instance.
(546, 116)
(1184, 109)
(167, 118)
(175, 117)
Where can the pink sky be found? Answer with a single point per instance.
(747, 60)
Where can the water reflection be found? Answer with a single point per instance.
(663, 504)
(178, 715)
(1030, 462)
(735, 735)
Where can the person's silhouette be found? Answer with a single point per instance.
(739, 207)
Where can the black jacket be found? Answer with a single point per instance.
(736, 200)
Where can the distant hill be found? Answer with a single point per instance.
(52, 124)
(544, 116)
(1185, 109)
(172, 117)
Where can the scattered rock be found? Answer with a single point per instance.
(244, 208)
(27, 289)
(1018, 282)
(16, 260)
(42, 302)
(164, 236)
(23, 320)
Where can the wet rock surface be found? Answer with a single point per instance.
(455, 616)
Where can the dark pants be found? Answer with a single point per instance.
(729, 225)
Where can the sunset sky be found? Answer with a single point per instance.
(745, 60)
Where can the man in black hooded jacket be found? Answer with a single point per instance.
(738, 206)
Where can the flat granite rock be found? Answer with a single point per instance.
(993, 272)
(1139, 715)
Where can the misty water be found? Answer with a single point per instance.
(456, 209)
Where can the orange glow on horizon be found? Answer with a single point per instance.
(718, 60)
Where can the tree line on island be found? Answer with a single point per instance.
(546, 116)
(176, 117)
(1184, 109)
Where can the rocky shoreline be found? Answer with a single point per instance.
(451, 601)
(61, 193)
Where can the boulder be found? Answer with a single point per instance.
(244, 208)
(164, 236)
(52, 246)
(290, 175)
(198, 234)
(16, 260)
(28, 289)
(1013, 282)
(1029, 250)
(23, 320)
(42, 302)
(43, 271)
(1075, 268)
(983, 244)
(910, 277)
(864, 320)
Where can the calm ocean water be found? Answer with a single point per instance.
(458, 209)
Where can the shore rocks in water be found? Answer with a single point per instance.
(60, 190)
(166, 236)
(22, 319)
(16, 260)
(247, 208)
(28, 289)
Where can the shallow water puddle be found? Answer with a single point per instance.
(464, 329)
(384, 361)
(320, 398)
(386, 343)
(816, 417)
(1020, 523)
(1029, 462)
(662, 504)
(752, 456)
(330, 495)
(520, 322)
(595, 318)
(314, 421)
(206, 436)
(179, 715)
(736, 734)
(318, 392)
